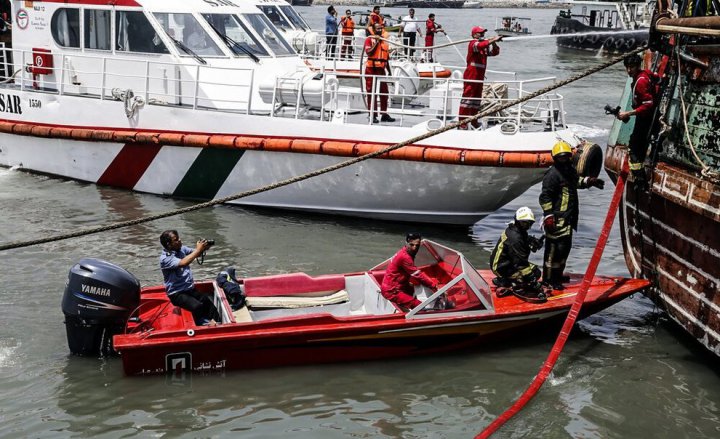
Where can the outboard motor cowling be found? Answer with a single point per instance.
(99, 297)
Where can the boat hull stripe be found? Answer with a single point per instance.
(129, 165)
(208, 173)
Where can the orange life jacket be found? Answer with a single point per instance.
(372, 19)
(381, 55)
(348, 25)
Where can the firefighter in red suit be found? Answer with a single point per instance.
(478, 51)
(376, 67)
(431, 28)
(396, 286)
(643, 108)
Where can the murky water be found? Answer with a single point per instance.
(625, 373)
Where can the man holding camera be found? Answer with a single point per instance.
(175, 261)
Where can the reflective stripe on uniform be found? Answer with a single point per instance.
(565, 199)
(475, 64)
(635, 166)
(503, 238)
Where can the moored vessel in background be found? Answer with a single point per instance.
(512, 26)
(620, 26)
(670, 232)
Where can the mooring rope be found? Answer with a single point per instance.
(350, 162)
(572, 316)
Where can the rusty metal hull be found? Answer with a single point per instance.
(671, 236)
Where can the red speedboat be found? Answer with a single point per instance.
(294, 319)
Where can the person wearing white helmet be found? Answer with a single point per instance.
(477, 54)
(561, 208)
(509, 260)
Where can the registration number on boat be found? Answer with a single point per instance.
(35, 103)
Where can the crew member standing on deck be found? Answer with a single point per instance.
(431, 28)
(373, 19)
(376, 67)
(331, 30)
(411, 29)
(396, 286)
(643, 108)
(559, 202)
(478, 51)
(347, 28)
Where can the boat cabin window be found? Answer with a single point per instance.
(294, 17)
(269, 34)
(65, 27)
(235, 34)
(97, 29)
(134, 33)
(186, 29)
(274, 15)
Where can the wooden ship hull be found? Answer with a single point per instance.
(670, 231)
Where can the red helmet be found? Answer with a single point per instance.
(478, 30)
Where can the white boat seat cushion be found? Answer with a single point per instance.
(297, 302)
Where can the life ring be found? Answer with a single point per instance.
(588, 159)
(630, 43)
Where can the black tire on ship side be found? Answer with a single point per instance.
(588, 160)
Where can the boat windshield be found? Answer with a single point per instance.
(294, 17)
(269, 34)
(185, 29)
(236, 35)
(274, 15)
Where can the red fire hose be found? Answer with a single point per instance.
(571, 317)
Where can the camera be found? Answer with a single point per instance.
(210, 242)
(610, 110)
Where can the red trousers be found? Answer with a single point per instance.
(402, 297)
(376, 74)
(470, 104)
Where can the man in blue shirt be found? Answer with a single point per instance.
(175, 261)
(331, 31)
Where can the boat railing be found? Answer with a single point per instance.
(410, 102)
(153, 82)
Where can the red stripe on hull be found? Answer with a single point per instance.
(129, 165)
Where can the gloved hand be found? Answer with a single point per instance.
(549, 223)
(594, 181)
(535, 243)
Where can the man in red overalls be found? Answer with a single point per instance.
(377, 65)
(396, 286)
(643, 108)
(431, 28)
(478, 51)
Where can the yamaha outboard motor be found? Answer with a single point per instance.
(99, 297)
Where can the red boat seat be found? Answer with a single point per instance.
(294, 284)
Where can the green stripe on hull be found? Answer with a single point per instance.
(208, 173)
